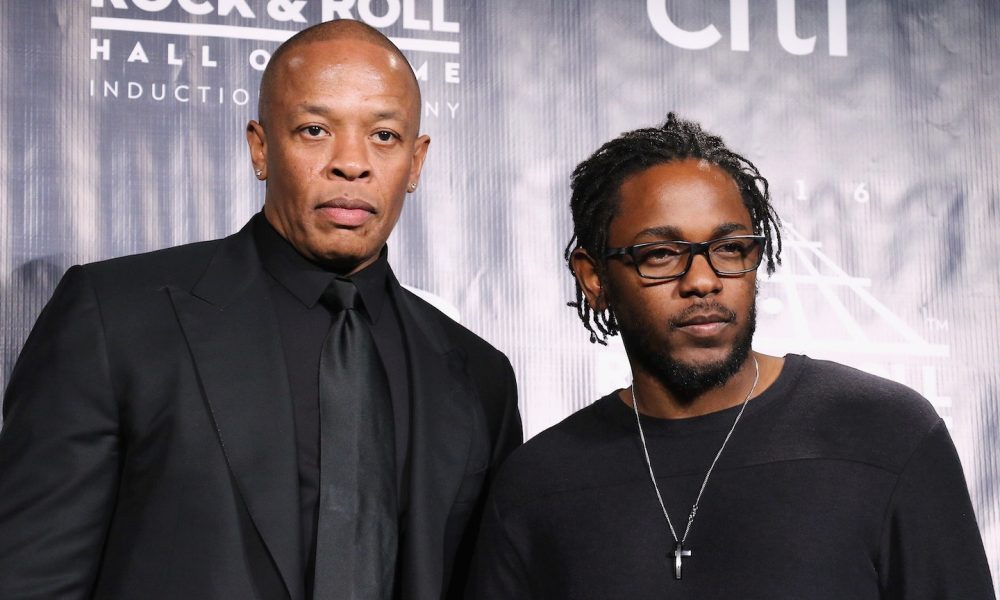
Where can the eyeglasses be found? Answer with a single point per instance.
(669, 260)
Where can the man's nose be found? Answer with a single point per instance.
(700, 280)
(350, 157)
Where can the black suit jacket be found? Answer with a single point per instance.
(148, 445)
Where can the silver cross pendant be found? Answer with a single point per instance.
(678, 553)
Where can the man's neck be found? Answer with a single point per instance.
(657, 399)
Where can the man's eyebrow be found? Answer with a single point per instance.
(314, 109)
(727, 228)
(322, 110)
(673, 234)
(387, 114)
(661, 232)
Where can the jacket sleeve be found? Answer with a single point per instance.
(496, 379)
(931, 546)
(509, 435)
(59, 451)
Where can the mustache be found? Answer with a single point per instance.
(702, 308)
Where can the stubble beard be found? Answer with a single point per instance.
(687, 381)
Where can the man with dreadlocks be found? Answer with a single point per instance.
(721, 472)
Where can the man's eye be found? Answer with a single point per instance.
(730, 248)
(314, 130)
(385, 136)
(660, 254)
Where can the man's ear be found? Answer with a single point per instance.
(257, 142)
(587, 273)
(420, 146)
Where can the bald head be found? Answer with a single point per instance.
(337, 30)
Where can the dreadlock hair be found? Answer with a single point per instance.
(596, 182)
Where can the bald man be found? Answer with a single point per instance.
(219, 420)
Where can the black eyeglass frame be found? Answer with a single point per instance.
(695, 248)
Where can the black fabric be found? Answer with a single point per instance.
(356, 533)
(168, 464)
(295, 287)
(836, 484)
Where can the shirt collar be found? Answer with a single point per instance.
(307, 281)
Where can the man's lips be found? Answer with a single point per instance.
(703, 329)
(703, 323)
(347, 212)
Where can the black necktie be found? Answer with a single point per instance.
(357, 532)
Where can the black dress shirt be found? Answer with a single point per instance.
(296, 285)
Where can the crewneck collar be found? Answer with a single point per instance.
(612, 408)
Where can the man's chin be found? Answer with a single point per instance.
(347, 264)
(689, 378)
(344, 257)
(700, 359)
(691, 371)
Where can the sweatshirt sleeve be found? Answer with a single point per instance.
(931, 547)
(498, 571)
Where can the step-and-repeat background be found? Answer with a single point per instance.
(121, 131)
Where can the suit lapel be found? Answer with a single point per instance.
(234, 338)
(439, 443)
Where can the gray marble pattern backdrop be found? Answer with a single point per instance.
(876, 122)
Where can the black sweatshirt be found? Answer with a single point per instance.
(835, 484)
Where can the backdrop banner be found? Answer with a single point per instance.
(875, 122)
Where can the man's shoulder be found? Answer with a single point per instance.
(872, 418)
(174, 265)
(844, 388)
(559, 459)
(459, 335)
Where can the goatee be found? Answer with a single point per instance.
(687, 381)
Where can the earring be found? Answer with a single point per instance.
(259, 172)
(413, 187)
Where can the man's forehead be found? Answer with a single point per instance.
(316, 61)
(682, 194)
(323, 54)
(349, 65)
(683, 170)
(383, 108)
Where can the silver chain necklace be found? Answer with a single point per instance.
(679, 552)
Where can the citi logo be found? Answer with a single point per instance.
(739, 28)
